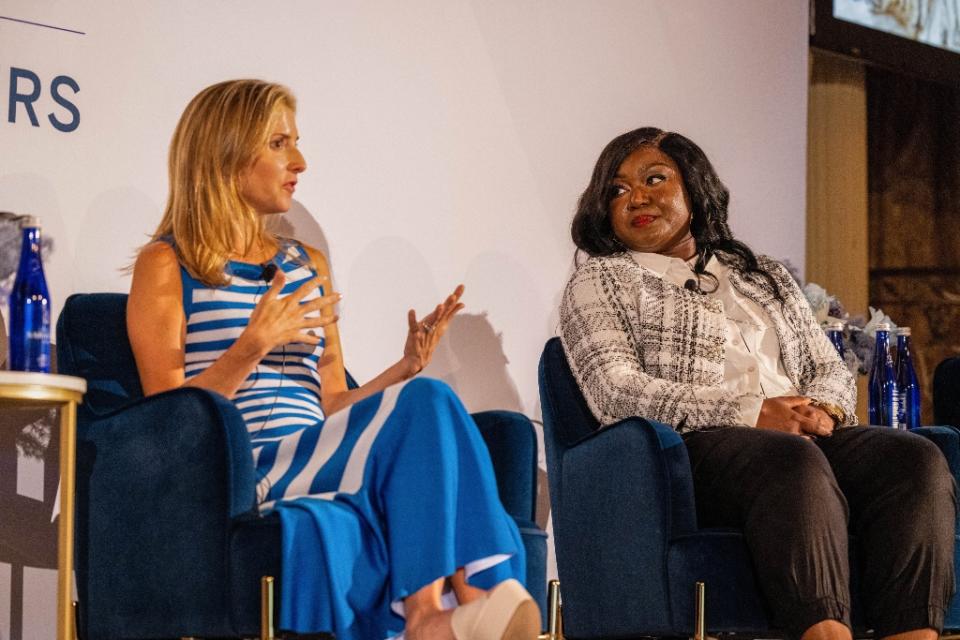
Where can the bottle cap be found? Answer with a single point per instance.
(835, 324)
(29, 221)
(903, 331)
(883, 326)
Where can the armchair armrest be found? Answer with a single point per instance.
(134, 466)
(633, 492)
(512, 443)
(172, 437)
(947, 438)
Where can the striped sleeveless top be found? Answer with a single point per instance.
(282, 394)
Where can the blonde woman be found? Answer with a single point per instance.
(385, 492)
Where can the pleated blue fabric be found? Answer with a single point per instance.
(376, 501)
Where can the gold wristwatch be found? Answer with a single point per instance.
(832, 410)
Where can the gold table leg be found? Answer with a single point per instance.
(68, 441)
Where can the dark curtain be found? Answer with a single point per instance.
(914, 183)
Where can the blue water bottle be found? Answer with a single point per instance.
(834, 331)
(907, 381)
(30, 306)
(883, 402)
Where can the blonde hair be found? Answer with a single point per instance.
(218, 137)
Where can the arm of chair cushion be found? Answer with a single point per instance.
(947, 438)
(178, 439)
(627, 490)
(512, 444)
(157, 485)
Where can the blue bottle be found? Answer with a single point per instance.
(834, 331)
(883, 402)
(907, 382)
(30, 306)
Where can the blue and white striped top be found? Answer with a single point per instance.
(386, 496)
(282, 394)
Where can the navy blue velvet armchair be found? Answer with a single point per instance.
(946, 392)
(629, 550)
(168, 541)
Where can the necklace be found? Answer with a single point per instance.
(259, 253)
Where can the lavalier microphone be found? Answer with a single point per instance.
(269, 270)
(692, 285)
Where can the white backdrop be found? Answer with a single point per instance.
(447, 141)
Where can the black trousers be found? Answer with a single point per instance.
(798, 500)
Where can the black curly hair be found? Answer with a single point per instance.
(593, 234)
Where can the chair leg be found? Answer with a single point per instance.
(554, 613)
(266, 608)
(700, 616)
(554, 618)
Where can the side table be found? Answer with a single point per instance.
(20, 389)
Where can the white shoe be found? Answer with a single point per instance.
(506, 612)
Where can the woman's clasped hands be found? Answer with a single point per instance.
(277, 321)
(796, 415)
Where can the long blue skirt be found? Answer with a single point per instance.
(405, 495)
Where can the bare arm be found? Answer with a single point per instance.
(422, 339)
(155, 321)
(157, 327)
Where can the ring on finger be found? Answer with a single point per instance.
(428, 327)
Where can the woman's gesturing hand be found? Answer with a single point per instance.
(423, 335)
(794, 414)
(276, 321)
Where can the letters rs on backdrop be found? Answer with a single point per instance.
(25, 88)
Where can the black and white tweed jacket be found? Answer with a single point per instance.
(641, 346)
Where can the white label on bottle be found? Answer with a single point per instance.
(895, 410)
(902, 412)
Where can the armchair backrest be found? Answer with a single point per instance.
(566, 417)
(567, 420)
(558, 388)
(92, 343)
(946, 392)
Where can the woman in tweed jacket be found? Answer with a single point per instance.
(671, 318)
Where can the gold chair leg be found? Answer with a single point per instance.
(554, 613)
(266, 608)
(76, 620)
(700, 617)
